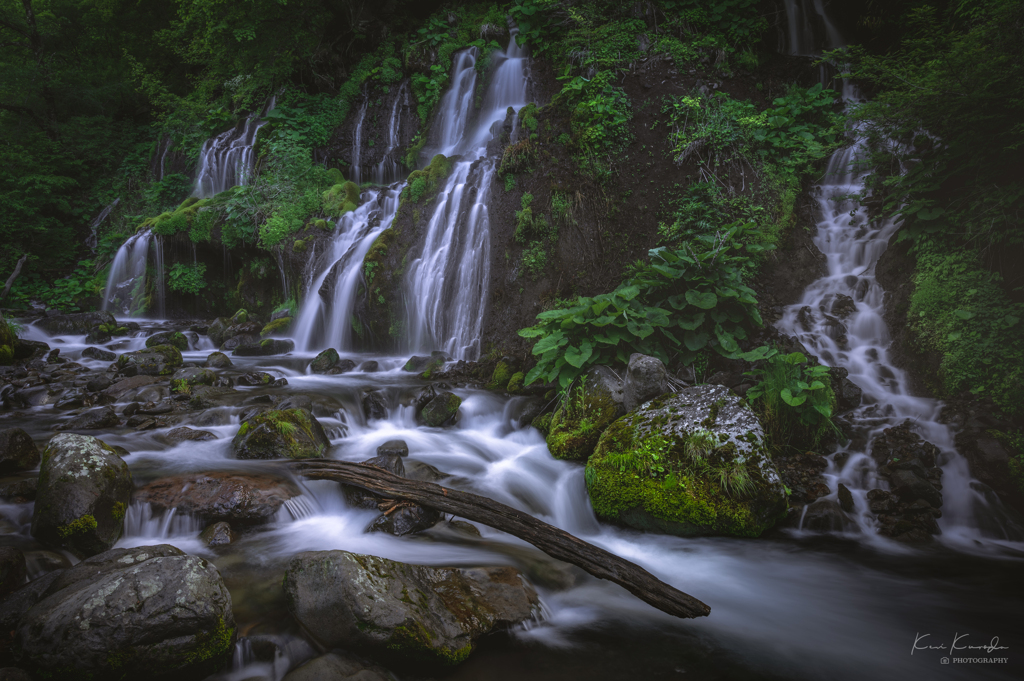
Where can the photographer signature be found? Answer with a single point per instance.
(921, 644)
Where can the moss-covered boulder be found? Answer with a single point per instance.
(218, 360)
(503, 371)
(83, 493)
(588, 407)
(340, 199)
(264, 348)
(175, 338)
(184, 380)
(442, 410)
(276, 327)
(240, 317)
(150, 612)
(689, 463)
(281, 434)
(414, 614)
(216, 330)
(515, 384)
(426, 366)
(325, 361)
(159, 360)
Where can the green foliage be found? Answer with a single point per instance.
(62, 294)
(186, 278)
(681, 303)
(794, 398)
(427, 182)
(535, 233)
(960, 311)
(518, 158)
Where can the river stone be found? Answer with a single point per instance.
(425, 366)
(12, 570)
(370, 366)
(17, 451)
(217, 534)
(150, 612)
(846, 498)
(76, 324)
(412, 613)
(18, 491)
(215, 332)
(442, 410)
(336, 666)
(281, 433)
(264, 348)
(218, 360)
(405, 520)
(276, 327)
(100, 354)
(255, 379)
(175, 338)
(185, 434)
(646, 378)
(590, 406)
(239, 498)
(159, 360)
(184, 380)
(393, 447)
(124, 386)
(324, 361)
(83, 492)
(14, 606)
(374, 405)
(96, 419)
(74, 398)
(686, 499)
(98, 384)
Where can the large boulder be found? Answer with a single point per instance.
(175, 338)
(646, 378)
(238, 498)
(76, 324)
(688, 463)
(411, 613)
(324, 361)
(95, 419)
(17, 451)
(590, 405)
(82, 496)
(425, 366)
(216, 330)
(150, 612)
(281, 433)
(217, 360)
(159, 360)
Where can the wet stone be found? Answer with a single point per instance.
(217, 534)
(100, 354)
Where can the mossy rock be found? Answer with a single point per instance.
(281, 434)
(423, 185)
(185, 379)
(325, 361)
(277, 326)
(340, 199)
(323, 224)
(500, 376)
(159, 360)
(645, 474)
(442, 410)
(175, 338)
(240, 317)
(299, 246)
(515, 384)
(583, 414)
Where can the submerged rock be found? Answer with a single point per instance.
(690, 463)
(281, 433)
(239, 498)
(412, 613)
(150, 612)
(217, 534)
(374, 405)
(589, 406)
(83, 494)
(17, 451)
(184, 434)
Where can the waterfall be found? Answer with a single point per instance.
(126, 281)
(389, 169)
(356, 171)
(226, 160)
(446, 287)
(324, 319)
(160, 290)
(853, 242)
(93, 239)
(809, 28)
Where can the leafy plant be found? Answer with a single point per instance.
(186, 278)
(794, 397)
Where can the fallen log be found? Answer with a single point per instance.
(551, 540)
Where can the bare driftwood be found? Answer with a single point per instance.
(14, 275)
(551, 540)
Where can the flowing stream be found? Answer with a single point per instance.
(793, 605)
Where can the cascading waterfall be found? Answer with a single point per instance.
(126, 283)
(356, 171)
(446, 287)
(852, 243)
(389, 170)
(226, 160)
(325, 316)
(456, 106)
(809, 28)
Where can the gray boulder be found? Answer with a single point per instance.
(442, 410)
(218, 360)
(175, 338)
(149, 612)
(159, 360)
(96, 419)
(100, 354)
(239, 498)
(646, 378)
(82, 496)
(412, 613)
(17, 451)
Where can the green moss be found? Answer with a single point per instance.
(500, 377)
(413, 642)
(515, 384)
(118, 511)
(424, 184)
(578, 422)
(212, 646)
(299, 246)
(276, 327)
(340, 199)
(543, 423)
(82, 525)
